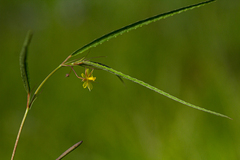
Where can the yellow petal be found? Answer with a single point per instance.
(83, 76)
(85, 84)
(87, 72)
(91, 78)
(90, 86)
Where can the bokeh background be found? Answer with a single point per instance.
(194, 56)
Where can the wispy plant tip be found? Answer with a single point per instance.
(23, 62)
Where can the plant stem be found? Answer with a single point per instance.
(19, 132)
(40, 86)
(29, 103)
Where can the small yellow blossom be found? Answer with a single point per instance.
(87, 78)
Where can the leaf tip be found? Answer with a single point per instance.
(23, 61)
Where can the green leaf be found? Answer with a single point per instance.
(135, 26)
(99, 66)
(23, 62)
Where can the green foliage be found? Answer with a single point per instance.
(108, 69)
(127, 29)
(135, 26)
(23, 62)
(83, 62)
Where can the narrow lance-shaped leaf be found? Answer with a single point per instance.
(99, 66)
(135, 26)
(69, 150)
(23, 62)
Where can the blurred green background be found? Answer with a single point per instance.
(194, 56)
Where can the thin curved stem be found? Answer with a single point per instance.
(29, 103)
(19, 133)
(40, 86)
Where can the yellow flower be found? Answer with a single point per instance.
(87, 78)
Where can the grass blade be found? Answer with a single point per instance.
(69, 150)
(23, 62)
(99, 66)
(135, 26)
